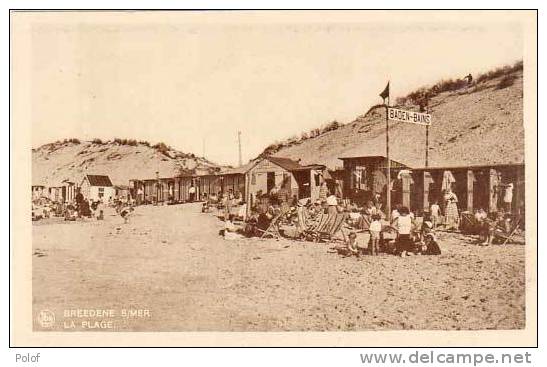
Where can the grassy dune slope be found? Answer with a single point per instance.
(52, 163)
(481, 124)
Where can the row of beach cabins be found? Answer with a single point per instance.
(480, 186)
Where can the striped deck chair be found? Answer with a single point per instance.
(310, 233)
(327, 227)
(334, 225)
(303, 219)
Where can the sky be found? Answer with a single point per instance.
(193, 81)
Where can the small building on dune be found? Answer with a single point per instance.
(97, 188)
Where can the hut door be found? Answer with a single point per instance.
(270, 181)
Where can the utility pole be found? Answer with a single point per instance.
(203, 146)
(239, 144)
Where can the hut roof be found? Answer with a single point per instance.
(99, 180)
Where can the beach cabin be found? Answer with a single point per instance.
(37, 191)
(235, 179)
(285, 174)
(366, 175)
(68, 190)
(159, 190)
(476, 186)
(97, 188)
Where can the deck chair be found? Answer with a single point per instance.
(327, 227)
(509, 235)
(469, 224)
(273, 228)
(302, 219)
(310, 233)
(334, 225)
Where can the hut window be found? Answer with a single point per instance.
(361, 177)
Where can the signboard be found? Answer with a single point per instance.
(409, 116)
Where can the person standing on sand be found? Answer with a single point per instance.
(79, 198)
(375, 229)
(469, 79)
(451, 210)
(403, 224)
(435, 212)
(192, 193)
(228, 205)
(508, 197)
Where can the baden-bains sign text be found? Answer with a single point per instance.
(409, 116)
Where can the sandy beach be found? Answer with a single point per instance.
(169, 270)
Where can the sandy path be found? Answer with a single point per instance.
(170, 260)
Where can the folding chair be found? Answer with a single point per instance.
(273, 228)
(333, 226)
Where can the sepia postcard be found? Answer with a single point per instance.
(273, 178)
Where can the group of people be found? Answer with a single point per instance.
(83, 207)
(222, 201)
(401, 236)
(492, 225)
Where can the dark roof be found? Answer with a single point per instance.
(471, 166)
(99, 180)
(312, 166)
(285, 163)
(364, 156)
(394, 163)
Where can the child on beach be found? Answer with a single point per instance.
(403, 224)
(126, 213)
(350, 246)
(489, 227)
(375, 229)
(430, 246)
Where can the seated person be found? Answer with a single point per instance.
(71, 213)
(425, 229)
(429, 245)
(350, 247)
(263, 221)
(480, 215)
(489, 226)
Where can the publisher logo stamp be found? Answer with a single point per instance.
(46, 319)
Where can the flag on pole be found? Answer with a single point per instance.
(385, 93)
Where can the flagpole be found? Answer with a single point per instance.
(427, 145)
(388, 190)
